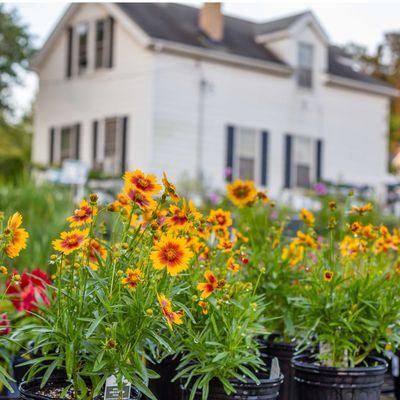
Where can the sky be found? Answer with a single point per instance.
(362, 22)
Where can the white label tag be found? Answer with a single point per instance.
(395, 365)
(112, 392)
(275, 369)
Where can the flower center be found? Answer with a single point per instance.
(170, 254)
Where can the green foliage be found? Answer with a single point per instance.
(44, 208)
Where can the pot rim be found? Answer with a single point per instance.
(263, 378)
(26, 387)
(299, 362)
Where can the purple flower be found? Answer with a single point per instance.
(320, 189)
(273, 215)
(214, 198)
(228, 172)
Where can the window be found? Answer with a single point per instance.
(82, 32)
(103, 49)
(68, 143)
(109, 146)
(303, 161)
(247, 150)
(305, 65)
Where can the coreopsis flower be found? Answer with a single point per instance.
(293, 254)
(328, 276)
(242, 193)
(141, 199)
(239, 236)
(5, 325)
(94, 250)
(307, 217)
(172, 317)
(263, 197)
(204, 307)
(220, 219)
(3, 270)
(305, 239)
(361, 210)
(170, 188)
(70, 241)
(225, 245)
(171, 253)
(232, 265)
(82, 215)
(351, 247)
(209, 286)
(16, 236)
(146, 184)
(26, 289)
(133, 278)
(356, 228)
(182, 218)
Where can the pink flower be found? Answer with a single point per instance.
(320, 189)
(25, 294)
(5, 327)
(228, 172)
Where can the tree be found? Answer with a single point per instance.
(15, 50)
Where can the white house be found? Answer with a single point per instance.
(168, 87)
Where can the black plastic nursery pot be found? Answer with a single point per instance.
(284, 352)
(52, 391)
(316, 382)
(268, 389)
(163, 388)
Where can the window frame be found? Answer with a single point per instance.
(106, 43)
(80, 70)
(257, 153)
(308, 83)
(312, 164)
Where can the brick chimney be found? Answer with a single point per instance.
(211, 21)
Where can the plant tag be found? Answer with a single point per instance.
(112, 391)
(395, 365)
(275, 369)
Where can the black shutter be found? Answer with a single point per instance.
(124, 142)
(319, 160)
(111, 42)
(78, 139)
(230, 151)
(94, 142)
(288, 161)
(52, 143)
(70, 40)
(264, 158)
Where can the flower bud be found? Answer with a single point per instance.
(94, 198)
(149, 312)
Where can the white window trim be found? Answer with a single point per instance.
(312, 69)
(57, 141)
(75, 47)
(106, 44)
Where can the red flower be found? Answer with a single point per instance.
(5, 327)
(31, 288)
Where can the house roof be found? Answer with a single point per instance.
(179, 23)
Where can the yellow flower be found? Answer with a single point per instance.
(182, 218)
(16, 237)
(171, 253)
(362, 209)
(70, 241)
(208, 287)
(170, 188)
(328, 276)
(3, 270)
(307, 217)
(293, 253)
(141, 199)
(305, 239)
(82, 215)
(220, 219)
(133, 278)
(204, 307)
(350, 247)
(232, 265)
(242, 193)
(94, 250)
(172, 317)
(146, 184)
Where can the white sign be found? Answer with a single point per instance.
(113, 392)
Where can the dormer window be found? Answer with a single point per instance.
(305, 65)
(82, 33)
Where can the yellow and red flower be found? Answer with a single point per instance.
(16, 236)
(94, 251)
(307, 217)
(133, 278)
(70, 241)
(172, 317)
(361, 210)
(220, 219)
(328, 275)
(141, 199)
(232, 265)
(204, 307)
(170, 188)
(82, 215)
(146, 184)
(209, 286)
(242, 193)
(171, 253)
(182, 218)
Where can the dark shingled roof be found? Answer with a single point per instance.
(179, 23)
